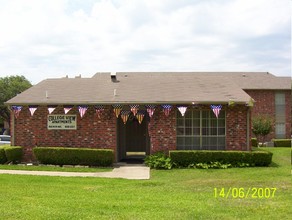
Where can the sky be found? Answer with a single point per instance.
(43, 39)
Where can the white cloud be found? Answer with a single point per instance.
(43, 39)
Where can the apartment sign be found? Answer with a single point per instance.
(62, 122)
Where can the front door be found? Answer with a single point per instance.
(133, 138)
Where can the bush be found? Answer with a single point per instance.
(282, 142)
(213, 165)
(184, 158)
(13, 154)
(3, 158)
(74, 156)
(254, 142)
(158, 161)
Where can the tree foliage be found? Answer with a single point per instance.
(262, 126)
(10, 86)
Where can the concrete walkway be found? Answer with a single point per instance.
(133, 172)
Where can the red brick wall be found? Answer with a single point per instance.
(265, 105)
(162, 131)
(236, 128)
(91, 131)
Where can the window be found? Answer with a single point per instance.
(280, 130)
(201, 130)
(280, 114)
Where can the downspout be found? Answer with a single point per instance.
(248, 128)
(12, 126)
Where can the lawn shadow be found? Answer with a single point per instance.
(273, 164)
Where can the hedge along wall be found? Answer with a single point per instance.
(74, 156)
(187, 157)
(92, 132)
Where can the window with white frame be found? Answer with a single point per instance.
(201, 130)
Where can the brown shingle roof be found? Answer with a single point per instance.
(161, 87)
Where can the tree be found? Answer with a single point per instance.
(261, 126)
(10, 86)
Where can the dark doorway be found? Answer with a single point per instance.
(133, 139)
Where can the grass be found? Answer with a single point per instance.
(171, 194)
(54, 168)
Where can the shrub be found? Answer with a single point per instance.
(13, 154)
(158, 161)
(3, 158)
(213, 165)
(74, 156)
(261, 126)
(282, 142)
(254, 142)
(184, 158)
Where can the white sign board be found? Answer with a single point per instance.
(62, 122)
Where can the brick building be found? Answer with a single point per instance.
(136, 114)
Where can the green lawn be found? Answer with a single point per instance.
(174, 194)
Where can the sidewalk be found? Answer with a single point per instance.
(134, 172)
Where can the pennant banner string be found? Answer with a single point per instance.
(216, 109)
(99, 109)
(32, 109)
(166, 109)
(125, 116)
(117, 109)
(16, 110)
(51, 109)
(182, 110)
(140, 115)
(67, 109)
(134, 109)
(82, 110)
(150, 109)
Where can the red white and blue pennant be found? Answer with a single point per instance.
(166, 109)
(16, 110)
(216, 109)
(82, 110)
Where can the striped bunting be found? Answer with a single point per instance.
(134, 109)
(140, 115)
(82, 110)
(32, 109)
(166, 109)
(117, 109)
(150, 109)
(182, 110)
(99, 109)
(216, 109)
(16, 110)
(125, 116)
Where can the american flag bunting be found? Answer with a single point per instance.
(16, 110)
(125, 116)
(140, 115)
(216, 109)
(150, 109)
(82, 110)
(99, 109)
(166, 109)
(134, 109)
(117, 109)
